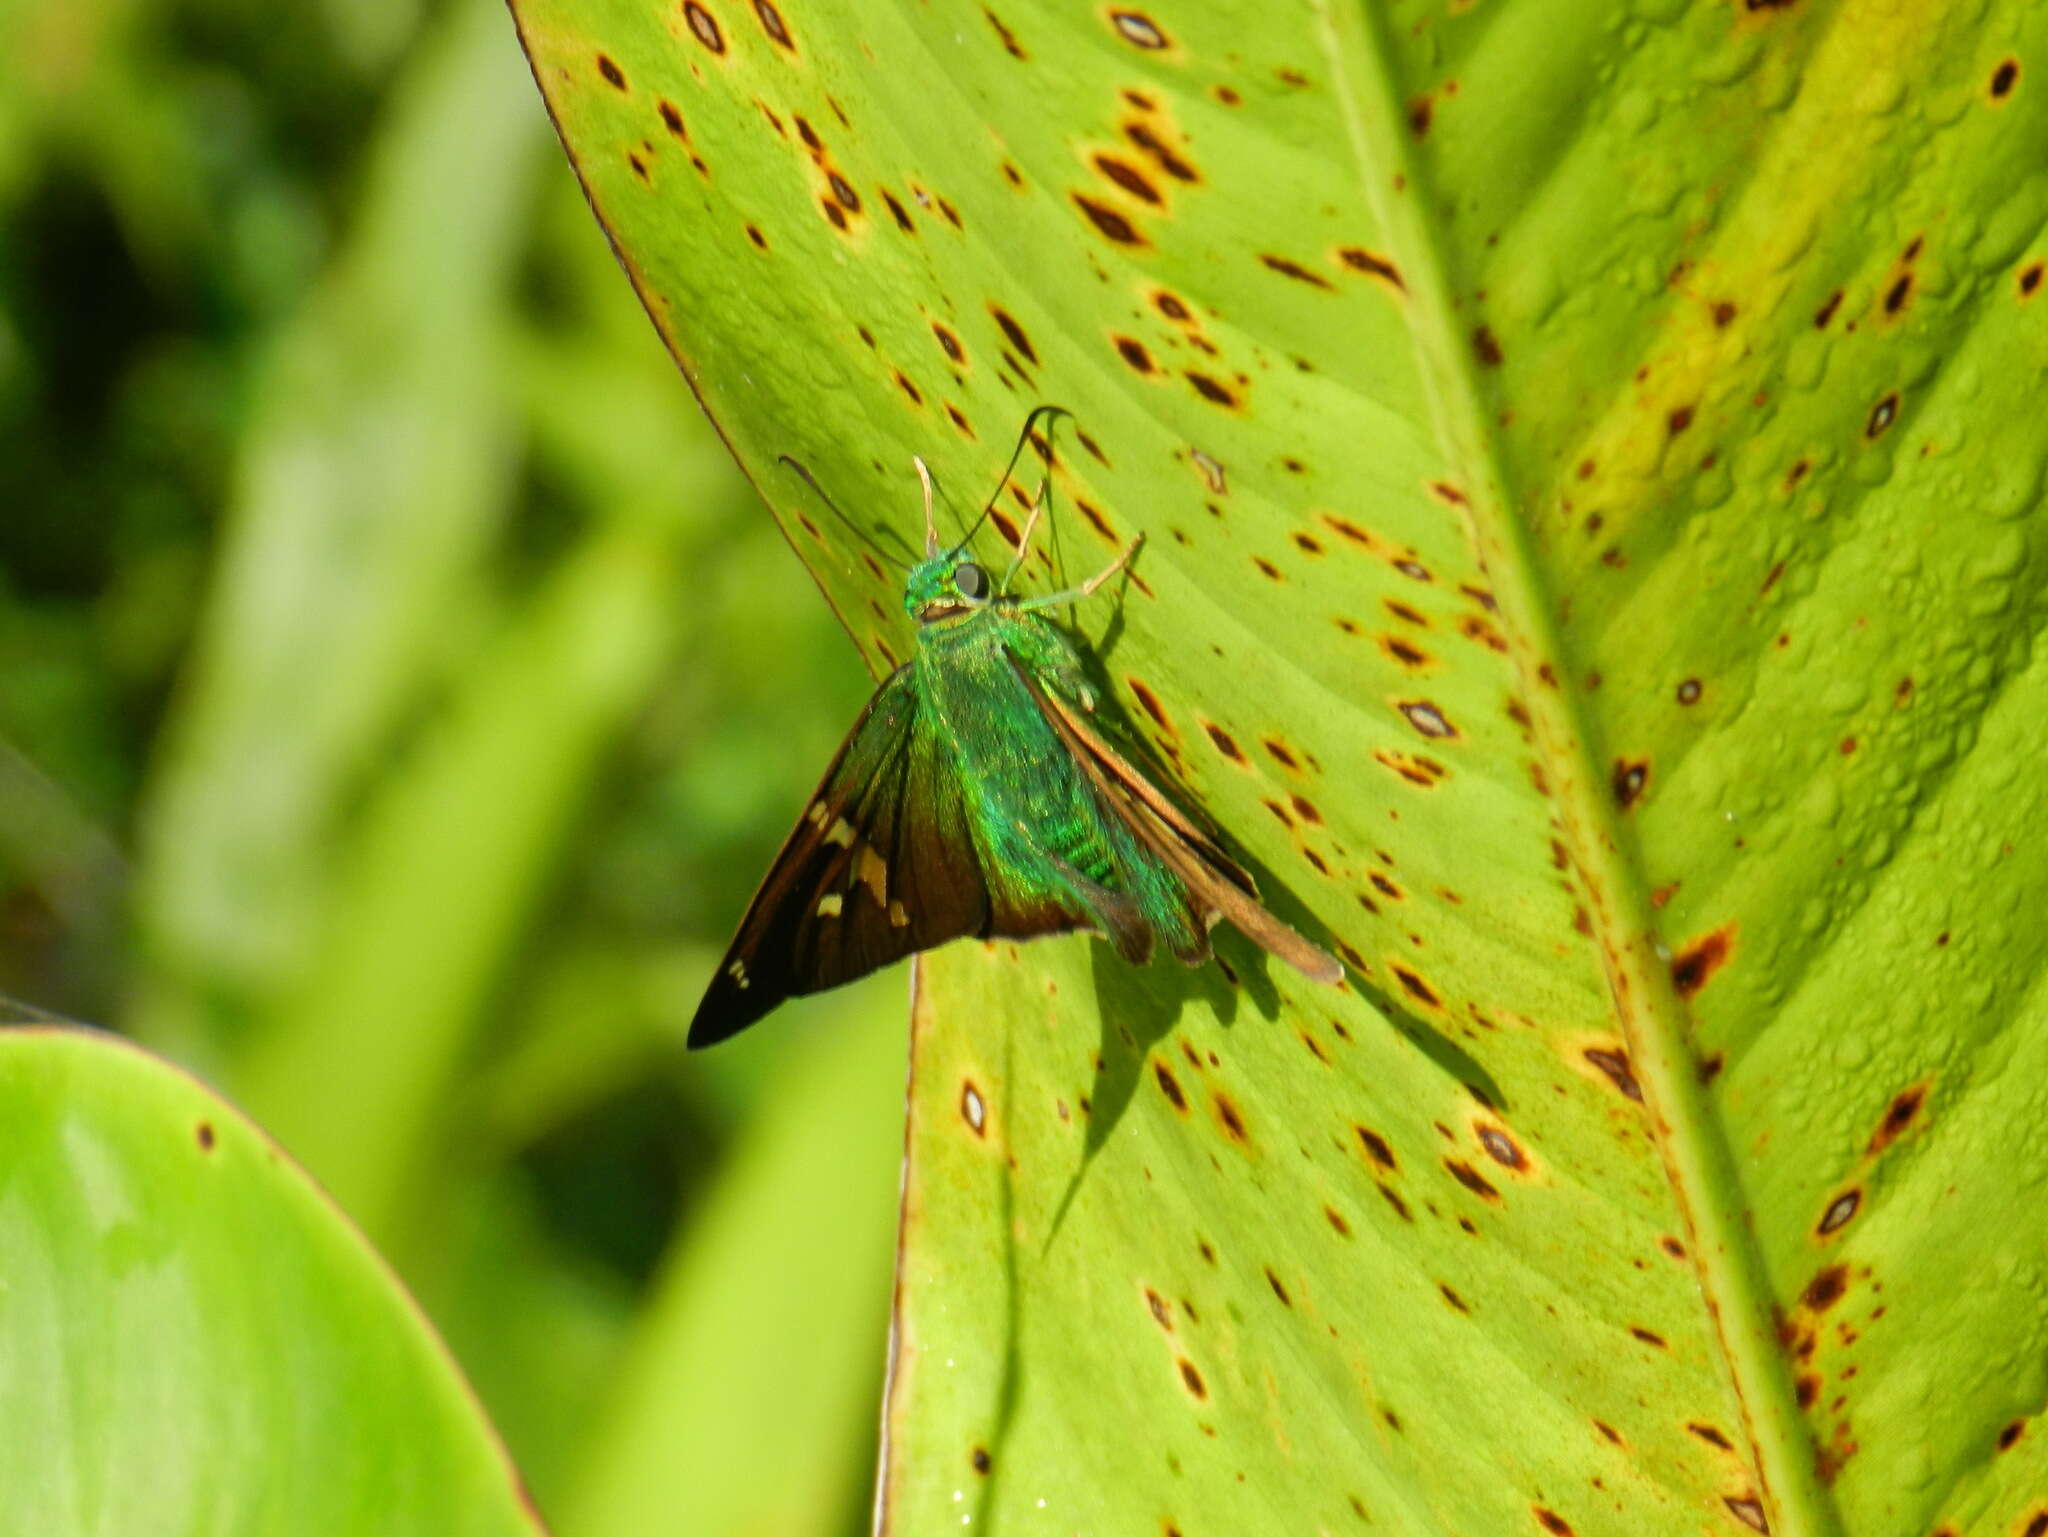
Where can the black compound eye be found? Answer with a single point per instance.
(970, 581)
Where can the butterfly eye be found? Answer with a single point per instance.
(970, 581)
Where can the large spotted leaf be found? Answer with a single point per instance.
(1591, 469)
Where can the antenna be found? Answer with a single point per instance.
(1023, 437)
(851, 526)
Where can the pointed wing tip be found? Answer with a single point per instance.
(1323, 967)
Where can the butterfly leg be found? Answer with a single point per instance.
(1024, 540)
(1087, 588)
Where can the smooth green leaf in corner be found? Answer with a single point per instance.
(1592, 477)
(193, 1339)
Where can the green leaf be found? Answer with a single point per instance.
(193, 1339)
(1590, 470)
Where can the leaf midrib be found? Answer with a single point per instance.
(1699, 1163)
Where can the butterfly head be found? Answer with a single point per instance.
(946, 585)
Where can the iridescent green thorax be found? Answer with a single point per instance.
(1034, 812)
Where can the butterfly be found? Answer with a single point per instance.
(981, 795)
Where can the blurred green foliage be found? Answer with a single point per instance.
(399, 692)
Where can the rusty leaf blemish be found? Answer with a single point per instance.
(1212, 389)
(2029, 279)
(1225, 743)
(1486, 347)
(1279, 1290)
(1139, 30)
(1113, 225)
(1294, 269)
(1192, 1379)
(1337, 1223)
(973, 1109)
(1826, 312)
(773, 24)
(1840, 1210)
(1723, 313)
(704, 26)
(1471, 1179)
(1898, 1118)
(1882, 415)
(1393, 1198)
(1613, 1064)
(1420, 111)
(203, 1134)
(1426, 718)
(1825, 1289)
(1377, 1148)
(613, 75)
(1678, 421)
(1747, 1508)
(1502, 1148)
(1149, 703)
(1170, 1086)
(1896, 296)
(1447, 493)
(1129, 178)
(1358, 259)
(1689, 691)
(1230, 1117)
(1552, 1522)
(1133, 352)
(1710, 1435)
(1449, 1295)
(1649, 1337)
(1009, 39)
(2011, 1434)
(1417, 988)
(1631, 776)
(672, 120)
(2004, 78)
(1695, 964)
(1014, 333)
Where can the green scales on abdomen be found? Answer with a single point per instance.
(978, 796)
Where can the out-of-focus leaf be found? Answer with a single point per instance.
(192, 1339)
(1592, 477)
(744, 1398)
(372, 482)
(350, 1076)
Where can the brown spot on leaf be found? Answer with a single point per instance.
(1840, 1210)
(1882, 415)
(704, 26)
(1471, 1179)
(1426, 718)
(613, 75)
(1694, 965)
(1486, 347)
(1826, 312)
(1630, 778)
(1502, 1148)
(672, 120)
(1376, 1148)
(1113, 225)
(1896, 296)
(1552, 1522)
(2030, 279)
(1294, 269)
(1898, 1118)
(1170, 1086)
(1747, 1508)
(1015, 333)
(1138, 29)
(1231, 1117)
(773, 24)
(203, 1135)
(1192, 1378)
(1211, 389)
(1373, 265)
(2004, 78)
(1133, 352)
(1613, 1064)
(1825, 1289)
(1128, 177)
